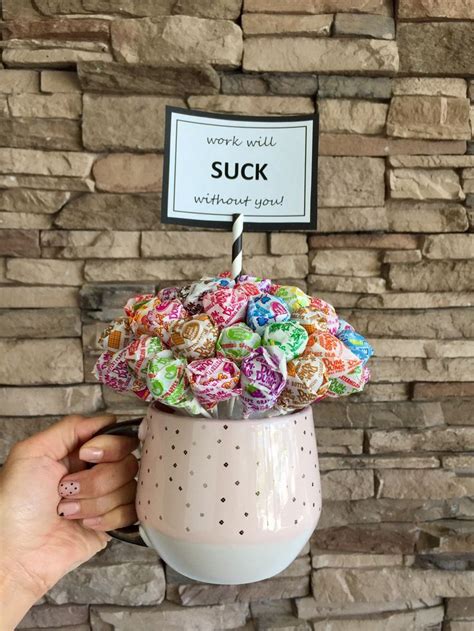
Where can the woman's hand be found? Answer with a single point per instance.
(54, 512)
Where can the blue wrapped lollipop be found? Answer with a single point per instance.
(266, 309)
(354, 341)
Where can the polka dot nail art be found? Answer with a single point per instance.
(68, 488)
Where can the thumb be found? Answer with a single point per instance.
(65, 436)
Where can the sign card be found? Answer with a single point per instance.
(218, 165)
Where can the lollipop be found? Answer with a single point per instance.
(310, 319)
(135, 303)
(192, 296)
(263, 377)
(237, 341)
(352, 382)
(262, 284)
(328, 310)
(293, 296)
(194, 338)
(141, 350)
(112, 370)
(338, 359)
(265, 309)
(154, 317)
(116, 336)
(307, 382)
(167, 382)
(213, 380)
(289, 337)
(168, 293)
(225, 306)
(354, 341)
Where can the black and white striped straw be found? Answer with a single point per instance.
(237, 231)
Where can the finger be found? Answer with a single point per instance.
(100, 480)
(117, 518)
(63, 437)
(107, 448)
(81, 509)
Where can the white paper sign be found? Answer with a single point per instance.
(219, 165)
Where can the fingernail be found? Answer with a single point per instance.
(69, 488)
(91, 454)
(65, 509)
(90, 522)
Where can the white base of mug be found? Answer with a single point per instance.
(226, 564)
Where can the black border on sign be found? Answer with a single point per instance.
(248, 226)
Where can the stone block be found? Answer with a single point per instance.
(41, 133)
(110, 211)
(13, 430)
(340, 441)
(282, 243)
(376, 26)
(253, 105)
(347, 485)
(352, 116)
(42, 58)
(328, 463)
(197, 244)
(432, 276)
(445, 439)
(430, 391)
(159, 41)
(25, 221)
(351, 182)
(46, 106)
(131, 584)
(309, 608)
(337, 586)
(422, 348)
(436, 117)
(366, 539)
(60, 30)
(45, 271)
(433, 484)
(429, 86)
(460, 608)
(350, 284)
(52, 617)
(125, 122)
(50, 400)
(413, 300)
(346, 262)
(377, 7)
(56, 163)
(47, 183)
(129, 173)
(39, 323)
(324, 55)
(54, 81)
(19, 243)
(402, 256)
(452, 246)
(352, 219)
(436, 48)
(427, 619)
(453, 162)
(18, 81)
(31, 201)
(77, 244)
(425, 184)
(304, 25)
(338, 87)
(403, 216)
(425, 9)
(173, 80)
(38, 297)
(358, 145)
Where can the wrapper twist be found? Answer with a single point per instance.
(213, 380)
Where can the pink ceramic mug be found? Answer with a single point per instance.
(227, 501)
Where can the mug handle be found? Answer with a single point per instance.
(129, 534)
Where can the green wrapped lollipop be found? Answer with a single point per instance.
(289, 336)
(294, 297)
(167, 382)
(237, 341)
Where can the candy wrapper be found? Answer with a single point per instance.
(154, 317)
(311, 319)
(262, 284)
(192, 295)
(291, 338)
(194, 338)
(133, 304)
(348, 384)
(112, 370)
(225, 306)
(263, 377)
(339, 360)
(141, 351)
(213, 380)
(294, 297)
(306, 383)
(168, 293)
(354, 341)
(237, 341)
(317, 304)
(266, 309)
(167, 382)
(116, 336)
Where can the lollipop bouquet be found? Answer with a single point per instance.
(224, 348)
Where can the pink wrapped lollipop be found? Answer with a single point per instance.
(307, 382)
(112, 370)
(338, 359)
(213, 380)
(154, 317)
(225, 306)
(194, 338)
(263, 377)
